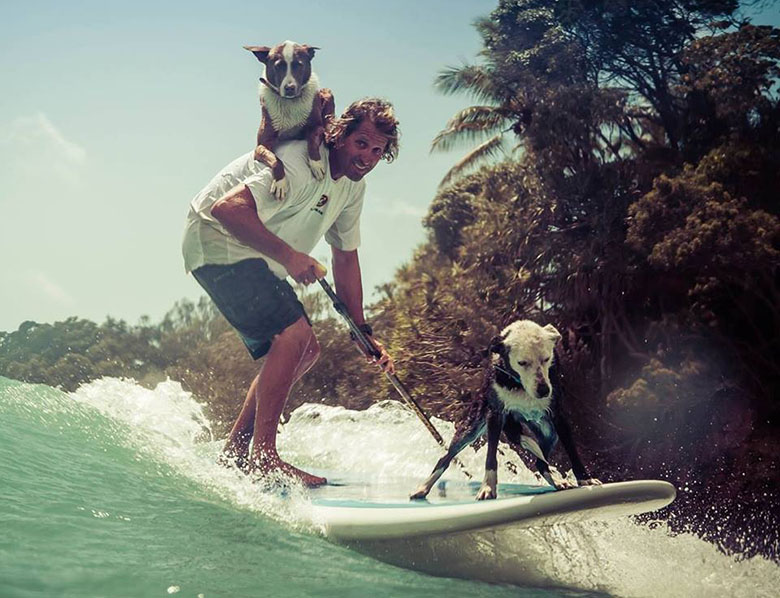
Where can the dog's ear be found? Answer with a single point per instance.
(497, 346)
(260, 52)
(310, 51)
(552, 333)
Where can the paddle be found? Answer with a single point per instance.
(370, 349)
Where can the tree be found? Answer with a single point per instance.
(639, 216)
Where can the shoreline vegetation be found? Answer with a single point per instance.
(621, 183)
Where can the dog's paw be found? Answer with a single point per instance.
(557, 481)
(565, 485)
(590, 482)
(279, 188)
(317, 168)
(486, 492)
(419, 494)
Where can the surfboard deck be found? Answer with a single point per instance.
(347, 513)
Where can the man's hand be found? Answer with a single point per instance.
(303, 268)
(384, 361)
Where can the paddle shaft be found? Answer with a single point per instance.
(370, 349)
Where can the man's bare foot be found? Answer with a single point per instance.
(229, 460)
(271, 464)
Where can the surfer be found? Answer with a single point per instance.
(241, 243)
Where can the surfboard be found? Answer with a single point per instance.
(351, 518)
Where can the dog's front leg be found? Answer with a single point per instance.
(460, 441)
(279, 182)
(313, 142)
(441, 466)
(495, 423)
(322, 110)
(267, 138)
(316, 163)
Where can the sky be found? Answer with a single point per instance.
(115, 114)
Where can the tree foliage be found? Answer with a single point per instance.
(193, 344)
(639, 215)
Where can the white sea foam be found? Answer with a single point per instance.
(168, 425)
(386, 442)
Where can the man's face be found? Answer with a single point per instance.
(361, 150)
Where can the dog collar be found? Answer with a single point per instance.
(267, 83)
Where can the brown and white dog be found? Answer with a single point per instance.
(521, 392)
(293, 107)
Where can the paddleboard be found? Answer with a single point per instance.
(352, 518)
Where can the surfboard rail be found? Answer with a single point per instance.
(361, 520)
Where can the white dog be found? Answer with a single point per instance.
(521, 389)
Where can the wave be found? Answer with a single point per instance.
(112, 430)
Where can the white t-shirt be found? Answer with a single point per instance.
(312, 209)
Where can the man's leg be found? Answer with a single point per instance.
(292, 353)
(237, 446)
(236, 449)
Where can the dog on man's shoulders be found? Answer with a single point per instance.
(293, 107)
(521, 392)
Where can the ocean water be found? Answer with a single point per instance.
(112, 491)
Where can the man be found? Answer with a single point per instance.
(241, 243)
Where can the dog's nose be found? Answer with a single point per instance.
(542, 391)
(289, 90)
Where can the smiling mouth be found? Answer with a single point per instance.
(360, 168)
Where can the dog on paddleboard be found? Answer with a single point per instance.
(520, 394)
(293, 107)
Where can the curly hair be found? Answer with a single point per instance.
(378, 111)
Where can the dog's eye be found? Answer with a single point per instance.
(522, 364)
(296, 64)
(545, 360)
(279, 65)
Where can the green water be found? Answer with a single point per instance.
(112, 491)
(84, 513)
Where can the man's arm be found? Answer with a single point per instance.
(237, 212)
(349, 285)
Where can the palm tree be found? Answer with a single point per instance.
(500, 110)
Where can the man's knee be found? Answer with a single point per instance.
(300, 336)
(313, 351)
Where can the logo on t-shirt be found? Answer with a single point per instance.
(320, 204)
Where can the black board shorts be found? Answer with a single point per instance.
(255, 302)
